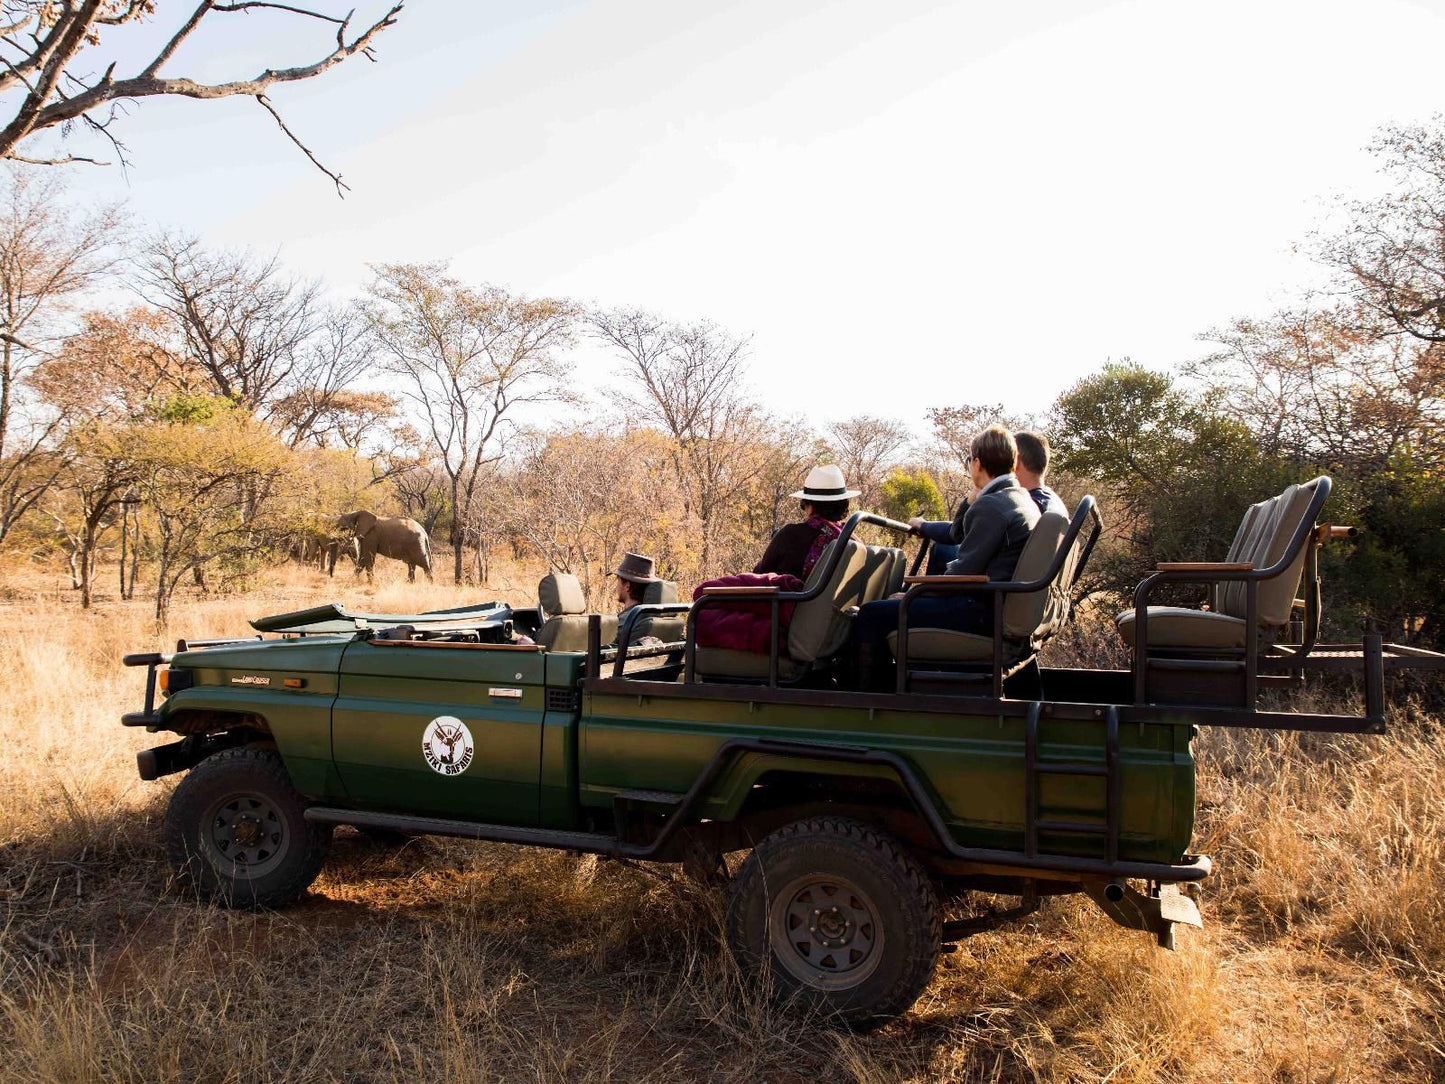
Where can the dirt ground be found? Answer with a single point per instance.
(1321, 959)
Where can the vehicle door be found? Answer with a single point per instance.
(447, 730)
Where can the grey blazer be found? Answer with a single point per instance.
(996, 527)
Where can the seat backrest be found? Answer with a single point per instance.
(561, 593)
(820, 626)
(884, 566)
(563, 604)
(1244, 538)
(659, 591)
(667, 627)
(1267, 537)
(568, 632)
(1025, 615)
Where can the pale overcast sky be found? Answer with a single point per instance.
(907, 204)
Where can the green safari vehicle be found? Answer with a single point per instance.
(865, 812)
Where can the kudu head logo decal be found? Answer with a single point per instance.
(447, 745)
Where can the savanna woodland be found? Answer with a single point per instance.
(180, 425)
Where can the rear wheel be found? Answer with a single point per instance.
(840, 915)
(236, 831)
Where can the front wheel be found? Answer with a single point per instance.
(841, 915)
(236, 831)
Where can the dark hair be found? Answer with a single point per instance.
(832, 511)
(995, 450)
(635, 590)
(1033, 451)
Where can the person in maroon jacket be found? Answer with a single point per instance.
(796, 547)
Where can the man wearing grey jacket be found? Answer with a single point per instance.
(994, 528)
(1030, 469)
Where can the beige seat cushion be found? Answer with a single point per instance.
(1178, 626)
(944, 645)
(727, 662)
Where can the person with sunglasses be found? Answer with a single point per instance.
(994, 527)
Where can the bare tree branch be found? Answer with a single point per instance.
(59, 33)
(341, 186)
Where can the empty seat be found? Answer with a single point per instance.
(564, 607)
(1263, 538)
(668, 627)
(819, 626)
(1028, 617)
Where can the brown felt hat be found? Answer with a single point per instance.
(637, 568)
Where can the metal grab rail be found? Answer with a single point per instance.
(1252, 578)
(624, 634)
(777, 598)
(1088, 510)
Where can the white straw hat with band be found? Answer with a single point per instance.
(825, 483)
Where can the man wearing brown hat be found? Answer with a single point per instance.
(633, 574)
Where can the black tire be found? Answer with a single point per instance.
(236, 831)
(840, 916)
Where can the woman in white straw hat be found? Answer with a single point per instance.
(795, 548)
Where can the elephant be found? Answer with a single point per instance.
(394, 537)
(323, 549)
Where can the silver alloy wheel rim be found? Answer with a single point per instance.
(247, 836)
(824, 932)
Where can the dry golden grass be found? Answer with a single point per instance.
(1321, 961)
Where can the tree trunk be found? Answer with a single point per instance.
(134, 557)
(456, 534)
(87, 564)
(124, 543)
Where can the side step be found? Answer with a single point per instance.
(590, 842)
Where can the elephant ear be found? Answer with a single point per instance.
(365, 523)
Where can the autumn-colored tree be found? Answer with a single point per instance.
(578, 498)
(265, 339)
(687, 380)
(468, 358)
(198, 463)
(50, 253)
(867, 447)
(1392, 251)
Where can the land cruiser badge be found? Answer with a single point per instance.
(447, 745)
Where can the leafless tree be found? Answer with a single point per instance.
(1393, 249)
(865, 447)
(468, 358)
(688, 382)
(49, 254)
(265, 339)
(56, 73)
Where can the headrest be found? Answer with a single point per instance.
(561, 593)
(659, 591)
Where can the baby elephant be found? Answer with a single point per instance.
(394, 537)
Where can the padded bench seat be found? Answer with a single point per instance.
(718, 661)
(1181, 627)
(944, 645)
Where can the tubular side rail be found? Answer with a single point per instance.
(624, 634)
(776, 599)
(1086, 512)
(1306, 530)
